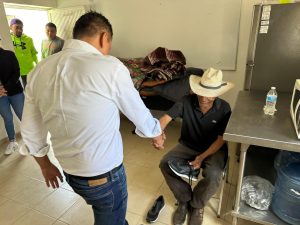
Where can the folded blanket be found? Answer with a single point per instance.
(164, 64)
(161, 64)
(163, 55)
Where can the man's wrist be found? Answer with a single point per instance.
(44, 162)
(201, 157)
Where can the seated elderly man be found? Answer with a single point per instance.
(204, 119)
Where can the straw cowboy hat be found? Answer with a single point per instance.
(210, 84)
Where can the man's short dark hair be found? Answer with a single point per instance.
(91, 24)
(51, 25)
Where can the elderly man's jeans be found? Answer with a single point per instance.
(108, 200)
(17, 103)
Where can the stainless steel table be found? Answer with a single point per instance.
(249, 126)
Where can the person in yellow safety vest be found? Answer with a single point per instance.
(24, 49)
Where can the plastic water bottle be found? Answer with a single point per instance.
(271, 100)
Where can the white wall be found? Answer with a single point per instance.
(4, 30)
(43, 3)
(238, 76)
(71, 3)
(200, 29)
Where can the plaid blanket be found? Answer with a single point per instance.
(134, 66)
(161, 64)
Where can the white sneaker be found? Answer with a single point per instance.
(11, 148)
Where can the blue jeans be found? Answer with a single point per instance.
(108, 200)
(17, 103)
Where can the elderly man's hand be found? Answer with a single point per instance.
(2, 91)
(196, 164)
(158, 142)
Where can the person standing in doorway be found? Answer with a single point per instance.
(11, 95)
(24, 49)
(53, 43)
(77, 95)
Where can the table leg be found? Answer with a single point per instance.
(244, 148)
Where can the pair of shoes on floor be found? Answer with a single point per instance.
(183, 169)
(154, 212)
(11, 148)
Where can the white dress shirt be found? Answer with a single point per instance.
(76, 95)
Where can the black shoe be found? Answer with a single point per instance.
(180, 213)
(182, 168)
(196, 217)
(154, 212)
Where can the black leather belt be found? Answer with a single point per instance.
(114, 170)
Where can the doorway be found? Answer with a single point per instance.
(34, 20)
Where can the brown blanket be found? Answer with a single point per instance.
(164, 64)
(160, 65)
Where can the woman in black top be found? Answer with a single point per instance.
(11, 95)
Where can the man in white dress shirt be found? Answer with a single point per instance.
(76, 95)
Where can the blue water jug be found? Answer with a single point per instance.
(284, 158)
(286, 199)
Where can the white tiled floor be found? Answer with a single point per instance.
(25, 199)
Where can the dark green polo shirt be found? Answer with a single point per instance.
(198, 130)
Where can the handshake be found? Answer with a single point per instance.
(158, 142)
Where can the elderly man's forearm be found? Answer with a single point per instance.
(215, 146)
